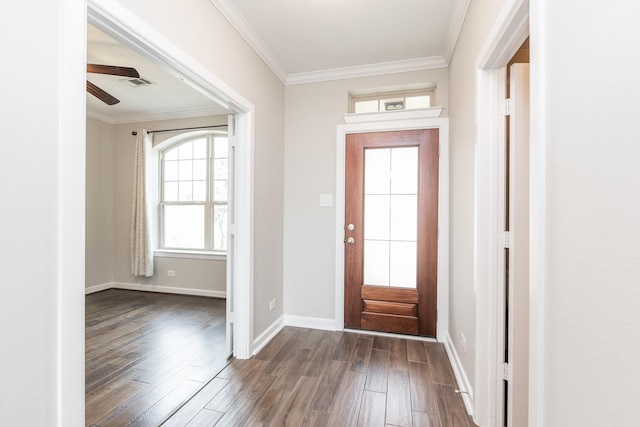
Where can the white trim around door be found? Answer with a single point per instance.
(400, 123)
(511, 29)
(119, 22)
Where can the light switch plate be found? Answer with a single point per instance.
(326, 200)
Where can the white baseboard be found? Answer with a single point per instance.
(267, 335)
(98, 288)
(461, 375)
(310, 322)
(154, 288)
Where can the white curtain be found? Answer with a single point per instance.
(141, 233)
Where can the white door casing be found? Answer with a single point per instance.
(510, 31)
(400, 122)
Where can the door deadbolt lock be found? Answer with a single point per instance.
(351, 227)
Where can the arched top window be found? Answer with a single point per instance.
(193, 192)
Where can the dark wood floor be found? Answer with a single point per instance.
(148, 353)
(306, 377)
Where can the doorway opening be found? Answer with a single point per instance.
(495, 215)
(136, 35)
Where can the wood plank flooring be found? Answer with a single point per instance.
(147, 354)
(306, 377)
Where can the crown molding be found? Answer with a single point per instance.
(101, 117)
(367, 70)
(231, 13)
(153, 117)
(235, 18)
(457, 20)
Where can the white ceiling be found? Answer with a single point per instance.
(166, 98)
(314, 40)
(300, 40)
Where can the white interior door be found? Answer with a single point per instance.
(518, 258)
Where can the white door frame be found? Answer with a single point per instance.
(401, 122)
(71, 198)
(513, 26)
(112, 17)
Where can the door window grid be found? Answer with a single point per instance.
(194, 187)
(391, 216)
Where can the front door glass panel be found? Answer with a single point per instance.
(391, 216)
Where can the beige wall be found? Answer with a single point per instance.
(195, 274)
(592, 252)
(110, 151)
(480, 19)
(99, 203)
(312, 113)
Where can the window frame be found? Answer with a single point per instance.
(208, 252)
(381, 96)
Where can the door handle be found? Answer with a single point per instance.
(351, 241)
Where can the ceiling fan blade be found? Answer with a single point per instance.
(101, 94)
(113, 70)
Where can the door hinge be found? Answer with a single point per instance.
(507, 107)
(506, 239)
(438, 149)
(231, 128)
(505, 372)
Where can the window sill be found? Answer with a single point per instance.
(175, 253)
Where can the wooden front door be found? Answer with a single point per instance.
(391, 227)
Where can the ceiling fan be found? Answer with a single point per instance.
(112, 70)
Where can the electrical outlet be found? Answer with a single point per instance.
(463, 342)
(272, 305)
(171, 273)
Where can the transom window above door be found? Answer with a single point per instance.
(193, 193)
(421, 96)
